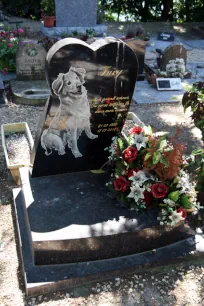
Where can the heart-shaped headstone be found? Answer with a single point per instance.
(92, 87)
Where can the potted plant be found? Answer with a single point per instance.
(48, 13)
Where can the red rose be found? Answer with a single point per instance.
(130, 172)
(184, 214)
(10, 45)
(147, 198)
(136, 130)
(130, 154)
(121, 184)
(159, 190)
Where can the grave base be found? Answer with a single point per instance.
(71, 232)
(58, 31)
(30, 92)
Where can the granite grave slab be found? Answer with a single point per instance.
(64, 243)
(92, 87)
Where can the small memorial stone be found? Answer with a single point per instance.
(92, 87)
(172, 52)
(30, 62)
(166, 36)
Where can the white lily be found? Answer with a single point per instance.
(136, 193)
(169, 202)
(138, 178)
(139, 140)
(176, 217)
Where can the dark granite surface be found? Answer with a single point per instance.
(81, 200)
(105, 72)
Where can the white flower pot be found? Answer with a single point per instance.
(12, 128)
(135, 119)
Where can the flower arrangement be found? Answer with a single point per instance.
(176, 68)
(9, 42)
(150, 171)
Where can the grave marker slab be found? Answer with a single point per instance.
(74, 13)
(166, 36)
(30, 62)
(172, 52)
(92, 87)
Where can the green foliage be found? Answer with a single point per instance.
(194, 98)
(174, 195)
(48, 7)
(47, 42)
(151, 10)
(24, 8)
(199, 163)
(8, 49)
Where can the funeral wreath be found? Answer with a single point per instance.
(148, 171)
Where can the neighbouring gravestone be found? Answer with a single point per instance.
(139, 47)
(172, 52)
(30, 62)
(92, 88)
(166, 36)
(74, 13)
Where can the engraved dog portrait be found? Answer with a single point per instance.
(75, 106)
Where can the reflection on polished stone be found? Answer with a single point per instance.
(92, 87)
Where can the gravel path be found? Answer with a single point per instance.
(168, 286)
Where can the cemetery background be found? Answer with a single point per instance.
(31, 115)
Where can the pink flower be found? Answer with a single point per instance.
(4, 71)
(20, 30)
(10, 45)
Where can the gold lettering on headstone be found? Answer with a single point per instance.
(108, 72)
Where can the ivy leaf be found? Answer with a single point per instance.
(174, 196)
(120, 144)
(147, 156)
(156, 158)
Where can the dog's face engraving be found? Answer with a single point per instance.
(73, 104)
(70, 83)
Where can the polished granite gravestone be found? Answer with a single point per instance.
(75, 16)
(92, 87)
(72, 231)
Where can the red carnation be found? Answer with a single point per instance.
(130, 154)
(136, 130)
(184, 213)
(159, 190)
(121, 184)
(147, 198)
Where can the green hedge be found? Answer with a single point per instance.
(22, 8)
